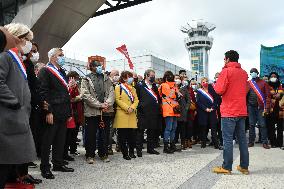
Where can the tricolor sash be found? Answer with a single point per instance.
(128, 92)
(207, 95)
(14, 54)
(258, 92)
(57, 74)
(152, 94)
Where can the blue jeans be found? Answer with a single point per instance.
(170, 130)
(256, 116)
(229, 126)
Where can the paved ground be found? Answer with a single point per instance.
(188, 169)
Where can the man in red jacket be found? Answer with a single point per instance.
(232, 86)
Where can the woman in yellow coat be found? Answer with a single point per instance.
(125, 120)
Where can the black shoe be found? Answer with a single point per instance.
(131, 155)
(110, 151)
(32, 165)
(152, 151)
(69, 158)
(47, 174)
(167, 149)
(65, 162)
(139, 153)
(29, 179)
(174, 148)
(126, 157)
(63, 169)
(75, 153)
(203, 145)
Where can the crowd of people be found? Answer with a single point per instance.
(43, 109)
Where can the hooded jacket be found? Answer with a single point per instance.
(232, 86)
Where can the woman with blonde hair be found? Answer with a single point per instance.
(16, 140)
(125, 120)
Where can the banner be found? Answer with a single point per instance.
(124, 51)
(272, 60)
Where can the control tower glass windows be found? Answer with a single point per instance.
(197, 61)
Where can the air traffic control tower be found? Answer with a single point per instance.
(198, 44)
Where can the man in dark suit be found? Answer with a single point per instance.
(149, 116)
(54, 91)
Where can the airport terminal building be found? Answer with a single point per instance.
(141, 63)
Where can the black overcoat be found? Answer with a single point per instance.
(148, 110)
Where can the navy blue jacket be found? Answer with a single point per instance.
(206, 118)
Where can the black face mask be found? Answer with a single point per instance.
(136, 80)
(152, 79)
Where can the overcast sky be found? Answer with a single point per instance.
(241, 25)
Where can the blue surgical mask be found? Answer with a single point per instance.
(253, 75)
(61, 60)
(99, 69)
(130, 80)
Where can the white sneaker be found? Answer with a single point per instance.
(90, 160)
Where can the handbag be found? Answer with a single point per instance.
(177, 109)
(70, 124)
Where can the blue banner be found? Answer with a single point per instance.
(272, 60)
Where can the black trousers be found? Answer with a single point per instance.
(275, 139)
(5, 172)
(151, 138)
(204, 132)
(9, 173)
(219, 127)
(185, 130)
(196, 129)
(53, 135)
(91, 128)
(126, 138)
(36, 124)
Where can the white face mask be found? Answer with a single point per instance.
(194, 87)
(35, 57)
(24, 58)
(27, 47)
(273, 79)
(178, 81)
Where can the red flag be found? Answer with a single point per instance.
(124, 51)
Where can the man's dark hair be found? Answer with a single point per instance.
(181, 71)
(232, 55)
(168, 76)
(254, 70)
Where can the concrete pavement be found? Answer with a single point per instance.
(188, 169)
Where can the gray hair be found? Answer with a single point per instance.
(53, 51)
(147, 72)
